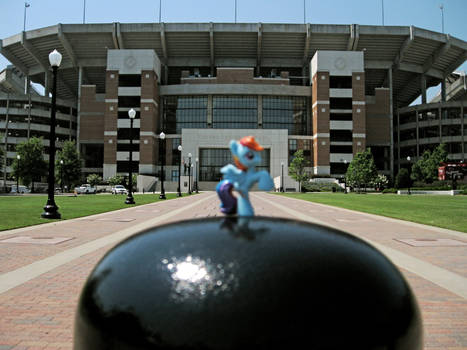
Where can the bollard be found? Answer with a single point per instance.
(246, 283)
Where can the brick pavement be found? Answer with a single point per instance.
(38, 312)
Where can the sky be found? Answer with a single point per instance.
(420, 13)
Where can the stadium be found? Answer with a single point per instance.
(329, 90)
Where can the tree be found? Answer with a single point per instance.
(297, 168)
(32, 163)
(94, 179)
(116, 180)
(426, 168)
(381, 182)
(402, 179)
(361, 171)
(70, 170)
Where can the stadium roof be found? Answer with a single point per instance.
(410, 51)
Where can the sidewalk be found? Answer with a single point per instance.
(40, 281)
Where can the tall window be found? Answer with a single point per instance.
(213, 159)
(190, 112)
(235, 112)
(285, 113)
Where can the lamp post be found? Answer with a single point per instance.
(162, 143)
(179, 192)
(282, 177)
(189, 173)
(196, 174)
(408, 189)
(61, 174)
(130, 199)
(17, 173)
(345, 183)
(51, 209)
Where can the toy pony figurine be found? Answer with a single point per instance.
(241, 177)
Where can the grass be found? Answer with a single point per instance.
(442, 211)
(24, 211)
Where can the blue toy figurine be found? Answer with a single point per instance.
(241, 177)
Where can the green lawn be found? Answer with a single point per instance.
(23, 211)
(442, 211)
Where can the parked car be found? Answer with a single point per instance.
(119, 189)
(85, 189)
(21, 189)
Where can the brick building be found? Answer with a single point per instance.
(330, 90)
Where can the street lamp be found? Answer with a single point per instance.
(179, 192)
(189, 173)
(408, 189)
(51, 209)
(61, 174)
(17, 174)
(196, 174)
(130, 199)
(282, 177)
(345, 183)
(161, 144)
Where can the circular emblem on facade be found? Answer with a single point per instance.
(339, 63)
(130, 61)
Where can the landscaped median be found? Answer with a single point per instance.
(21, 211)
(442, 211)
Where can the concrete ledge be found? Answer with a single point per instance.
(442, 193)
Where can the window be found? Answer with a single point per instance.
(340, 82)
(129, 80)
(285, 113)
(235, 112)
(340, 103)
(129, 101)
(341, 135)
(189, 112)
(213, 159)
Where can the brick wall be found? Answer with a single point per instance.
(92, 114)
(378, 122)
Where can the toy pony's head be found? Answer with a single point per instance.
(246, 152)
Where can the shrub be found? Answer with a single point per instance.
(390, 190)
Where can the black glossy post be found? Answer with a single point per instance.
(130, 199)
(282, 177)
(189, 175)
(17, 176)
(179, 192)
(196, 175)
(51, 209)
(162, 195)
(61, 175)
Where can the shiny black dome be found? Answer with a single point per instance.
(236, 283)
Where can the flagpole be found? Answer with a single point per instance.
(26, 5)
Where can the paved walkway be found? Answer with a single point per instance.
(40, 282)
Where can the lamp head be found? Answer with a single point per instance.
(162, 135)
(18, 157)
(189, 155)
(408, 158)
(55, 58)
(61, 161)
(180, 148)
(132, 113)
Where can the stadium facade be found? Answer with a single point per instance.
(329, 90)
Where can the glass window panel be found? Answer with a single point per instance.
(285, 113)
(188, 112)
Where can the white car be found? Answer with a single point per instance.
(21, 189)
(119, 189)
(85, 189)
